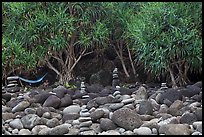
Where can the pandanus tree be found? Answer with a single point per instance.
(118, 14)
(167, 39)
(42, 33)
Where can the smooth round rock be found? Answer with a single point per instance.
(24, 132)
(72, 109)
(142, 131)
(16, 123)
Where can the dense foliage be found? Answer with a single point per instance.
(165, 37)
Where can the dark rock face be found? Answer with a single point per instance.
(94, 88)
(105, 92)
(170, 95)
(126, 118)
(102, 77)
(145, 108)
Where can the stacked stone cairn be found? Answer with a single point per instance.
(83, 90)
(116, 80)
(117, 94)
(84, 119)
(12, 83)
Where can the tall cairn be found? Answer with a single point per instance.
(83, 90)
(115, 81)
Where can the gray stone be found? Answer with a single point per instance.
(7, 115)
(41, 110)
(84, 114)
(85, 124)
(82, 129)
(196, 133)
(171, 120)
(30, 120)
(141, 93)
(96, 115)
(155, 105)
(198, 126)
(109, 132)
(53, 122)
(188, 118)
(83, 119)
(21, 106)
(35, 130)
(40, 98)
(198, 113)
(73, 131)
(126, 118)
(107, 124)
(115, 106)
(72, 109)
(60, 91)
(52, 101)
(103, 100)
(16, 123)
(171, 95)
(66, 101)
(60, 129)
(29, 111)
(175, 129)
(175, 107)
(127, 133)
(163, 108)
(96, 127)
(24, 132)
(47, 115)
(15, 131)
(89, 132)
(44, 131)
(145, 107)
(127, 101)
(142, 131)
(92, 103)
(70, 116)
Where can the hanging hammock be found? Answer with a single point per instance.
(32, 81)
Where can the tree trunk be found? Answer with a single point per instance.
(172, 78)
(119, 52)
(131, 61)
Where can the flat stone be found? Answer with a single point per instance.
(129, 100)
(72, 109)
(116, 106)
(60, 129)
(85, 124)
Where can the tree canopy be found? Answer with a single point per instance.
(166, 38)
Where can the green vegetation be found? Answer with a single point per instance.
(166, 38)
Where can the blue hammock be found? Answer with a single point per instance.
(32, 81)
